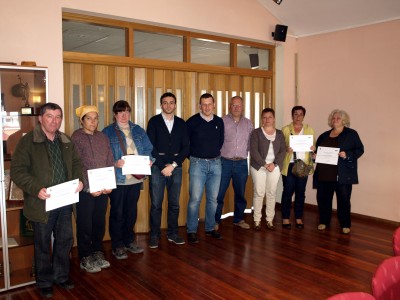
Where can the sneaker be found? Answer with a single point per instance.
(134, 248)
(214, 234)
(176, 239)
(270, 225)
(242, 224)
(346, 230)
(120, 253)
(257, 226)
(321, 227)
(89, 265)
(153, 243)
(192, 238)
(100, 261)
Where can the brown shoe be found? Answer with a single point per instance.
(270, 225)
(242, 224)
(257, 226)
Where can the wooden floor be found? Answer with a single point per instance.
(285, 264)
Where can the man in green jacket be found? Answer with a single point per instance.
(43, 158)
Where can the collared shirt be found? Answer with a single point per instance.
(169, 123)
(236, 137)
(57, 164)
(208, 119)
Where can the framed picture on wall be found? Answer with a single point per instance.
(16, 193)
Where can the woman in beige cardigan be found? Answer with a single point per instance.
(267, 151)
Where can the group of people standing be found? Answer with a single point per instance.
(218, 150)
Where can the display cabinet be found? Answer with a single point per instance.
(23, 91)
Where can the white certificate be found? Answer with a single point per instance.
(327, 155)
(101, 179)
(136, 164)
(62, 194)
(301, 143)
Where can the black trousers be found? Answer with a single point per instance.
(90, 223)
(325, 191)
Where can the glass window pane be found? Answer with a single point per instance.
(158, 46)
(210, 52)
(91, 38)
(252, 58)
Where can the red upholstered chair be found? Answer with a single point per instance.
(352, 296)
(386, 280)
(396, 242)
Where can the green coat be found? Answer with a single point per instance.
(31, 169)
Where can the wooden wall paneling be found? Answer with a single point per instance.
(87, 82)
(122, 83)
(148, 83)
(178, 88)
(111, 97)
(190, 95)
(181, 88)
(189, 106)
(100, 93)
(74, 91)
(68, 113)
(140, 107)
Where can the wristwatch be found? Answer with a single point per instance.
(174, 164)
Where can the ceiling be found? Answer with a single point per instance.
(309, 17)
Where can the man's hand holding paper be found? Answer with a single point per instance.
(63, 194)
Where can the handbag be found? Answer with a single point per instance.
(121, 144)
(300, 168)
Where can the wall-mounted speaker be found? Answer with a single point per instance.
(254, 63)
(280, 33)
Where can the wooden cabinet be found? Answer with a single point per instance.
(23, 91)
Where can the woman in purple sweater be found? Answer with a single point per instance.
(94, 149)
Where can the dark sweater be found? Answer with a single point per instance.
(94, 150)
(206, 138)
(168, 147)
(348, 141)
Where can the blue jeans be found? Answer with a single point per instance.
(90, 223)
(293, 185)
(325, 191)
(238, 171)
(158, 182)
(123, 214)
(203, 173)
(53, 265)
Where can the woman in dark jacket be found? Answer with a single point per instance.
(339, 179)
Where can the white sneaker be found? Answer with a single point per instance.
(89, 265)
(99, 260)
(346, 230)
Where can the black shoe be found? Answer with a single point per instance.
(287, 226)
(67, 285)
(299, 225)
(47, 292)
(192, 238)
(214, 234)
